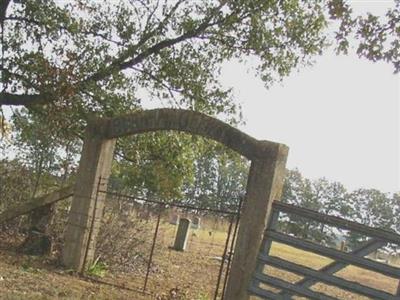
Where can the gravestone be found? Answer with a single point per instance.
(343, 246)
(174, 220)
(182, 235)
(196, 223)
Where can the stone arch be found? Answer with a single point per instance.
(187, 121)
(264, 184)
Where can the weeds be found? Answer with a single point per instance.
(98, 269)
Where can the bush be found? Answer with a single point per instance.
(124, 238)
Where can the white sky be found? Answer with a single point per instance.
(340, 117)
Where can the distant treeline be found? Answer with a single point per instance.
(215, 179)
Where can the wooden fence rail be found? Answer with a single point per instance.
(325, 275)
(26, 207)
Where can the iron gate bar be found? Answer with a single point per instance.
(221, 267)
(281, 284)
(232, 245)
(334, 254)
(152, 250)
(325, 278)
(338, 222)
(336, 266)
(312, 276)
(134, 198)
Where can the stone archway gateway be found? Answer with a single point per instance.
(264, 184)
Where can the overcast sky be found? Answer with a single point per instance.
(340, 117)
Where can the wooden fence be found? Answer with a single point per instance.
(341, 259)
(23, 208)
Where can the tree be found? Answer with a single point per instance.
(233, 171)
(50, 163)
(395, 203)
(16, 183)
(298, 190)
(332, 198)
(194, 170)
(321, 195)
(372, 208)
(145, 167)
(220, 179)
(65, 60)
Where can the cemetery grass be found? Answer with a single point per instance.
(174, 275)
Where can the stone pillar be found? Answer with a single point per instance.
(87, 204)
(264, 185)
(182, 234)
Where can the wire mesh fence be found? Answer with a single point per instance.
(135, 244)
(143, 233)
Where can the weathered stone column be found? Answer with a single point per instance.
(87, 204)
(264, 185)
(182, 234)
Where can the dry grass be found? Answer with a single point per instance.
(190, 275)
(24, 277)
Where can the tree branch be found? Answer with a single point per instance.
(85, 32)
(170, 89)
(161, 45)
(121, 64)
(23, 19)
(127, 59)
(148, 52)
(21, 100)
(3, 10)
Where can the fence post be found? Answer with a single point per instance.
(87, 204)
(264, 185)
(266, 245)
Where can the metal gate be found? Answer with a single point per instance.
(310, 277)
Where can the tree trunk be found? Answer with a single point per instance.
(38, 241)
